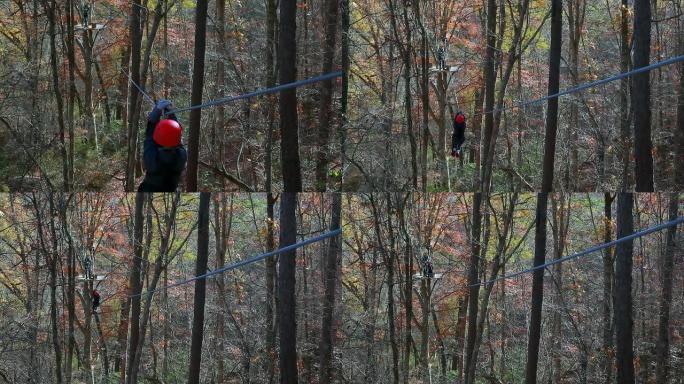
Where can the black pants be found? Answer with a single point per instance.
(147, 187)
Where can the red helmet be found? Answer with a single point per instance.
(460, 118)
(167, 133)
(96, 293)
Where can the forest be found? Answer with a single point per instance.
(336, 191)
(77, 78)
(387, 301)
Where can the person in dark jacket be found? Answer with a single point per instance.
(96, 300)
(458, 136)
(164, 155)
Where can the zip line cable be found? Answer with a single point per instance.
(587, 251)
(279, 88)
(244, 262)
(147, 97)
(264, 91)
(582, 87)
(259, 92)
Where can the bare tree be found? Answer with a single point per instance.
(200, 289)
(641, 98)
(547, 187)
(287, 319)
(289, 130)
(663, 343)
(201, 12)
(623, 291)
(332, 259)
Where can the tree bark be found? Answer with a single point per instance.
(625, 134)
(547, 187)
(330, 283)
(289, 130)
(287, 315)
(488, 144)
(135, 285)
(623, 291)
(663, 342)
(58, 95)
(136, 44)
(344, 97)
(72, 88)
(325, 111)
(608, 278)
(53, 295)
(217, 141)
(576, 12)
(641, 98)
(474, 288)
(196, 97)
(679, 129)
(200, 288)
(537, 290)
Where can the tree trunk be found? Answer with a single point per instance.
(325, 116)
(625, 135)
(217, 135)
(389, 259)
(425, 306)
(641, 98)
(537, 290)
(576, 12)
(71, 291)
(87, 113)
(559, 231)
(406, 51)
(289, 131)
(271, 39)
(200, 286)
(270, 289)
(103, 345)
(122, 334)
(58, 95)
(287, 319)
(679, 129)
(608, 272)
(459, 350)
(424, 95)
(136, 43)
(552, 104)
(623, 291)
(547, 187)
(663, 343)
(53, 295)
(135, 285)
(120, 112)
(390, 318)
(196, 97)
(474, 288)
(71, 54)
(330, 283)
(271, 262)
(408, 292)
(488, 144)
(344, 97)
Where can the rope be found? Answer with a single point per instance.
(582, 87)
(147, 97)
(595, 248)
(260, 92)
(242, 263)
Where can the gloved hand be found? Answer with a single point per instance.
(159, 108)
